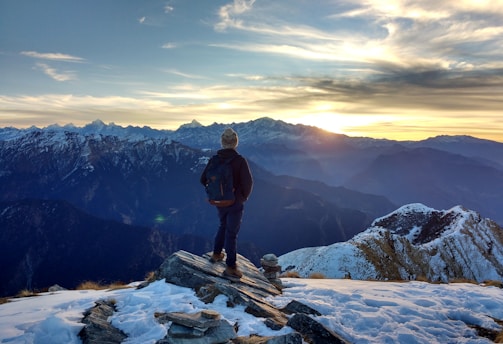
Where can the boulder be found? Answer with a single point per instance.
(56, 287)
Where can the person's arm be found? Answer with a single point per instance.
(246, 180)
(203, 179)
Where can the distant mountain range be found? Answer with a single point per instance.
(312, 188)
(150, 182)
(458, 170)
(413, 242)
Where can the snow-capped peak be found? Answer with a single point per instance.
(193, 124)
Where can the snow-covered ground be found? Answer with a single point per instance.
(359, 311)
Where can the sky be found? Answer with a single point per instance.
(396, 69)
(357, 311)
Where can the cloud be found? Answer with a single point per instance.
(53, 56)
(185, 75)
(247, 77)
(169, 46)
(156, 18)
(54, 74)
(228, 12)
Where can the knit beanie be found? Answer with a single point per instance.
(229, 138)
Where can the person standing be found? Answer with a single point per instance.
(230, 217)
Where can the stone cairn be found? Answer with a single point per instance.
(269, 263)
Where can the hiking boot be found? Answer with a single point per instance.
(231, 271)
(217, 257)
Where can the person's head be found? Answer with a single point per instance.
(229, 139)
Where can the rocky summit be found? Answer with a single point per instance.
(251, 291)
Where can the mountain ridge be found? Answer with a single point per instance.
(412, 242)
(98, 126)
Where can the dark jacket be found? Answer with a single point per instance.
(241, 175)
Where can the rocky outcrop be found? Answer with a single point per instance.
(206, 327)
(188, 270)
(97, 329)
(413, 242)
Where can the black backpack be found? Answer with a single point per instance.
(220, 185)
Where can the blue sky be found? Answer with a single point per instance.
(379, 68)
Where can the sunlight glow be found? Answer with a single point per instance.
(341, 124)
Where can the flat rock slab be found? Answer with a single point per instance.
(199, 319)
(189, 270)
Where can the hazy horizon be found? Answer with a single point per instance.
(62, 125)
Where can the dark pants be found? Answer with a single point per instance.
(227, 235)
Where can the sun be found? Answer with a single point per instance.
(329, 121)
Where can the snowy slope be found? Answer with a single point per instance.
(358, 311)
(412, 242)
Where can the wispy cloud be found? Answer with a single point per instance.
(247, 77)
(408, 34)
(169, 45)
(155, 17)
(56, 75)
(53, 56)
(185, 75)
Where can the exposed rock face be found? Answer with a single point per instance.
(438, 245)
(296, 307)
(313, 330)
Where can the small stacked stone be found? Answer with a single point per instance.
(269, 263)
